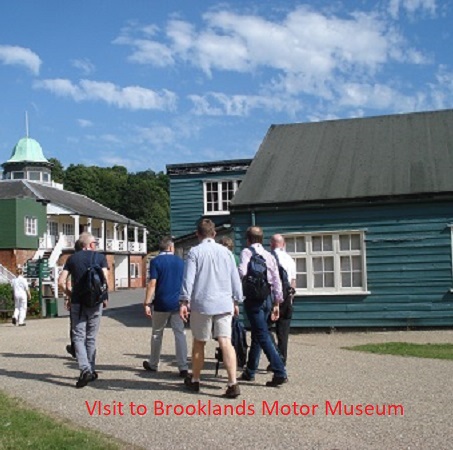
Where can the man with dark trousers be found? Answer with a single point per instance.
(283, 323)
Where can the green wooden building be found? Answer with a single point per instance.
(366, 208)
(202, 190)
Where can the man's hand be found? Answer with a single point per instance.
(148, 312)
(236, 310)
(184, 312)
(105, 303)
(275, 314)
(67, 303)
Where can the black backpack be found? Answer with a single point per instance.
(286, 285)
(254, 284)
(239, 342)
(92, 286)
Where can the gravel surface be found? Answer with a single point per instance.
(415, 395)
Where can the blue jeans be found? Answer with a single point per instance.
(261, 339)
(85, 326)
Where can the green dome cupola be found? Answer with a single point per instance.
(27, 162)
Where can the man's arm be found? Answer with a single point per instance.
(106, 274)
(63, 286)
(236, 287)
(150, 290)
(246, 254)
(188, 280)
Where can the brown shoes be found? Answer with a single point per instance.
(232, 391)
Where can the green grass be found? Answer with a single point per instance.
(22, 427)
(436, 351)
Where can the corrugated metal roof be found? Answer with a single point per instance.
(78, 204)
(352, 158)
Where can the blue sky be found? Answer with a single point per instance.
(144, 83)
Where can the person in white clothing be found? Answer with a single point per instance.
(21, 294)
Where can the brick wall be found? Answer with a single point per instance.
(13, 258)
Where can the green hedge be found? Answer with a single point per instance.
(33, 305)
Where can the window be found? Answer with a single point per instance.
(218, 195)
(18, 175)
(52, 228)
(46, 177)
(68, 229)
(328, 262)
(34, 176)
(135, 270)
(31, 226)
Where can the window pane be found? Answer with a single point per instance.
(346, 279)
(327, 244)
(328, 264)
(317, 264)
(329, 280)
(344, 242)
(290, 245)
(357, 279)
(18, 175)
(301, 281)
(34, 176)
(301, 265)
(356, 263)
(316, 243)
(318, 278)
(300, 244)
(355, 242)
(345, 264)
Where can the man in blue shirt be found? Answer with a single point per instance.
(165, 278)
(212, 289)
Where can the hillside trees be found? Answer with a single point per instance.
(142, 196)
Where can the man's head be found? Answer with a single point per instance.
(277, 241)
(19, 271)
(166, 244)
(87, 241)
(254, 235)
(78, 246)
(205, 229)
(227, 242)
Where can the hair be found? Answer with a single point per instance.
(78, 245)
(277, 240)
(206, 228)
(254, 235)
(86, 239)
(227, 242)
(165, 242)
(19, 271)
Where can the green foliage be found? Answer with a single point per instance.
(436, 351)
(33, 307)
(6, 293)
(57, 170)
(23, 427)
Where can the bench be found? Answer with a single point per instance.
(5, 310)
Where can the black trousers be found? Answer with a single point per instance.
(282, 327)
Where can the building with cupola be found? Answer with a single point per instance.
(39, 219)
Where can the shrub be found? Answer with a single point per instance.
(34, 308)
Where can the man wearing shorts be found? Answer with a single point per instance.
(211, 288)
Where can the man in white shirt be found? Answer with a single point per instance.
(21, 294)
(283, 323)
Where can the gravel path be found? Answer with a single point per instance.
(416, 395)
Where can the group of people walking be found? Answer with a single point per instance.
(208, 288)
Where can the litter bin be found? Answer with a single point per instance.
(51, 307)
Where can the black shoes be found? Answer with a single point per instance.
(277, 381)
(147, 367)
(245, 376)
(232, 391)
(70, 349)
(193, 386)
(14, 321)
(183, 373)
(85, 378)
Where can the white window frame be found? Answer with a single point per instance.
(309, 254)
(221, 210)
(134, 270)
(67, 227)
(31, 226)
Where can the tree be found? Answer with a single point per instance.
(57, 170)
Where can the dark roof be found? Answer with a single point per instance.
(395, 155)
(76, 203)
(231, 165)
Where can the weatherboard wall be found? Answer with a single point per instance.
(408, 262)
(187, 201)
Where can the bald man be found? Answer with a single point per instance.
(283, 323)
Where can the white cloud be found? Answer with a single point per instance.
(20, 56)
(411, 7)
(83, 123)
(217, 103)
(130, 97)
(307, 50)
(85, 65)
